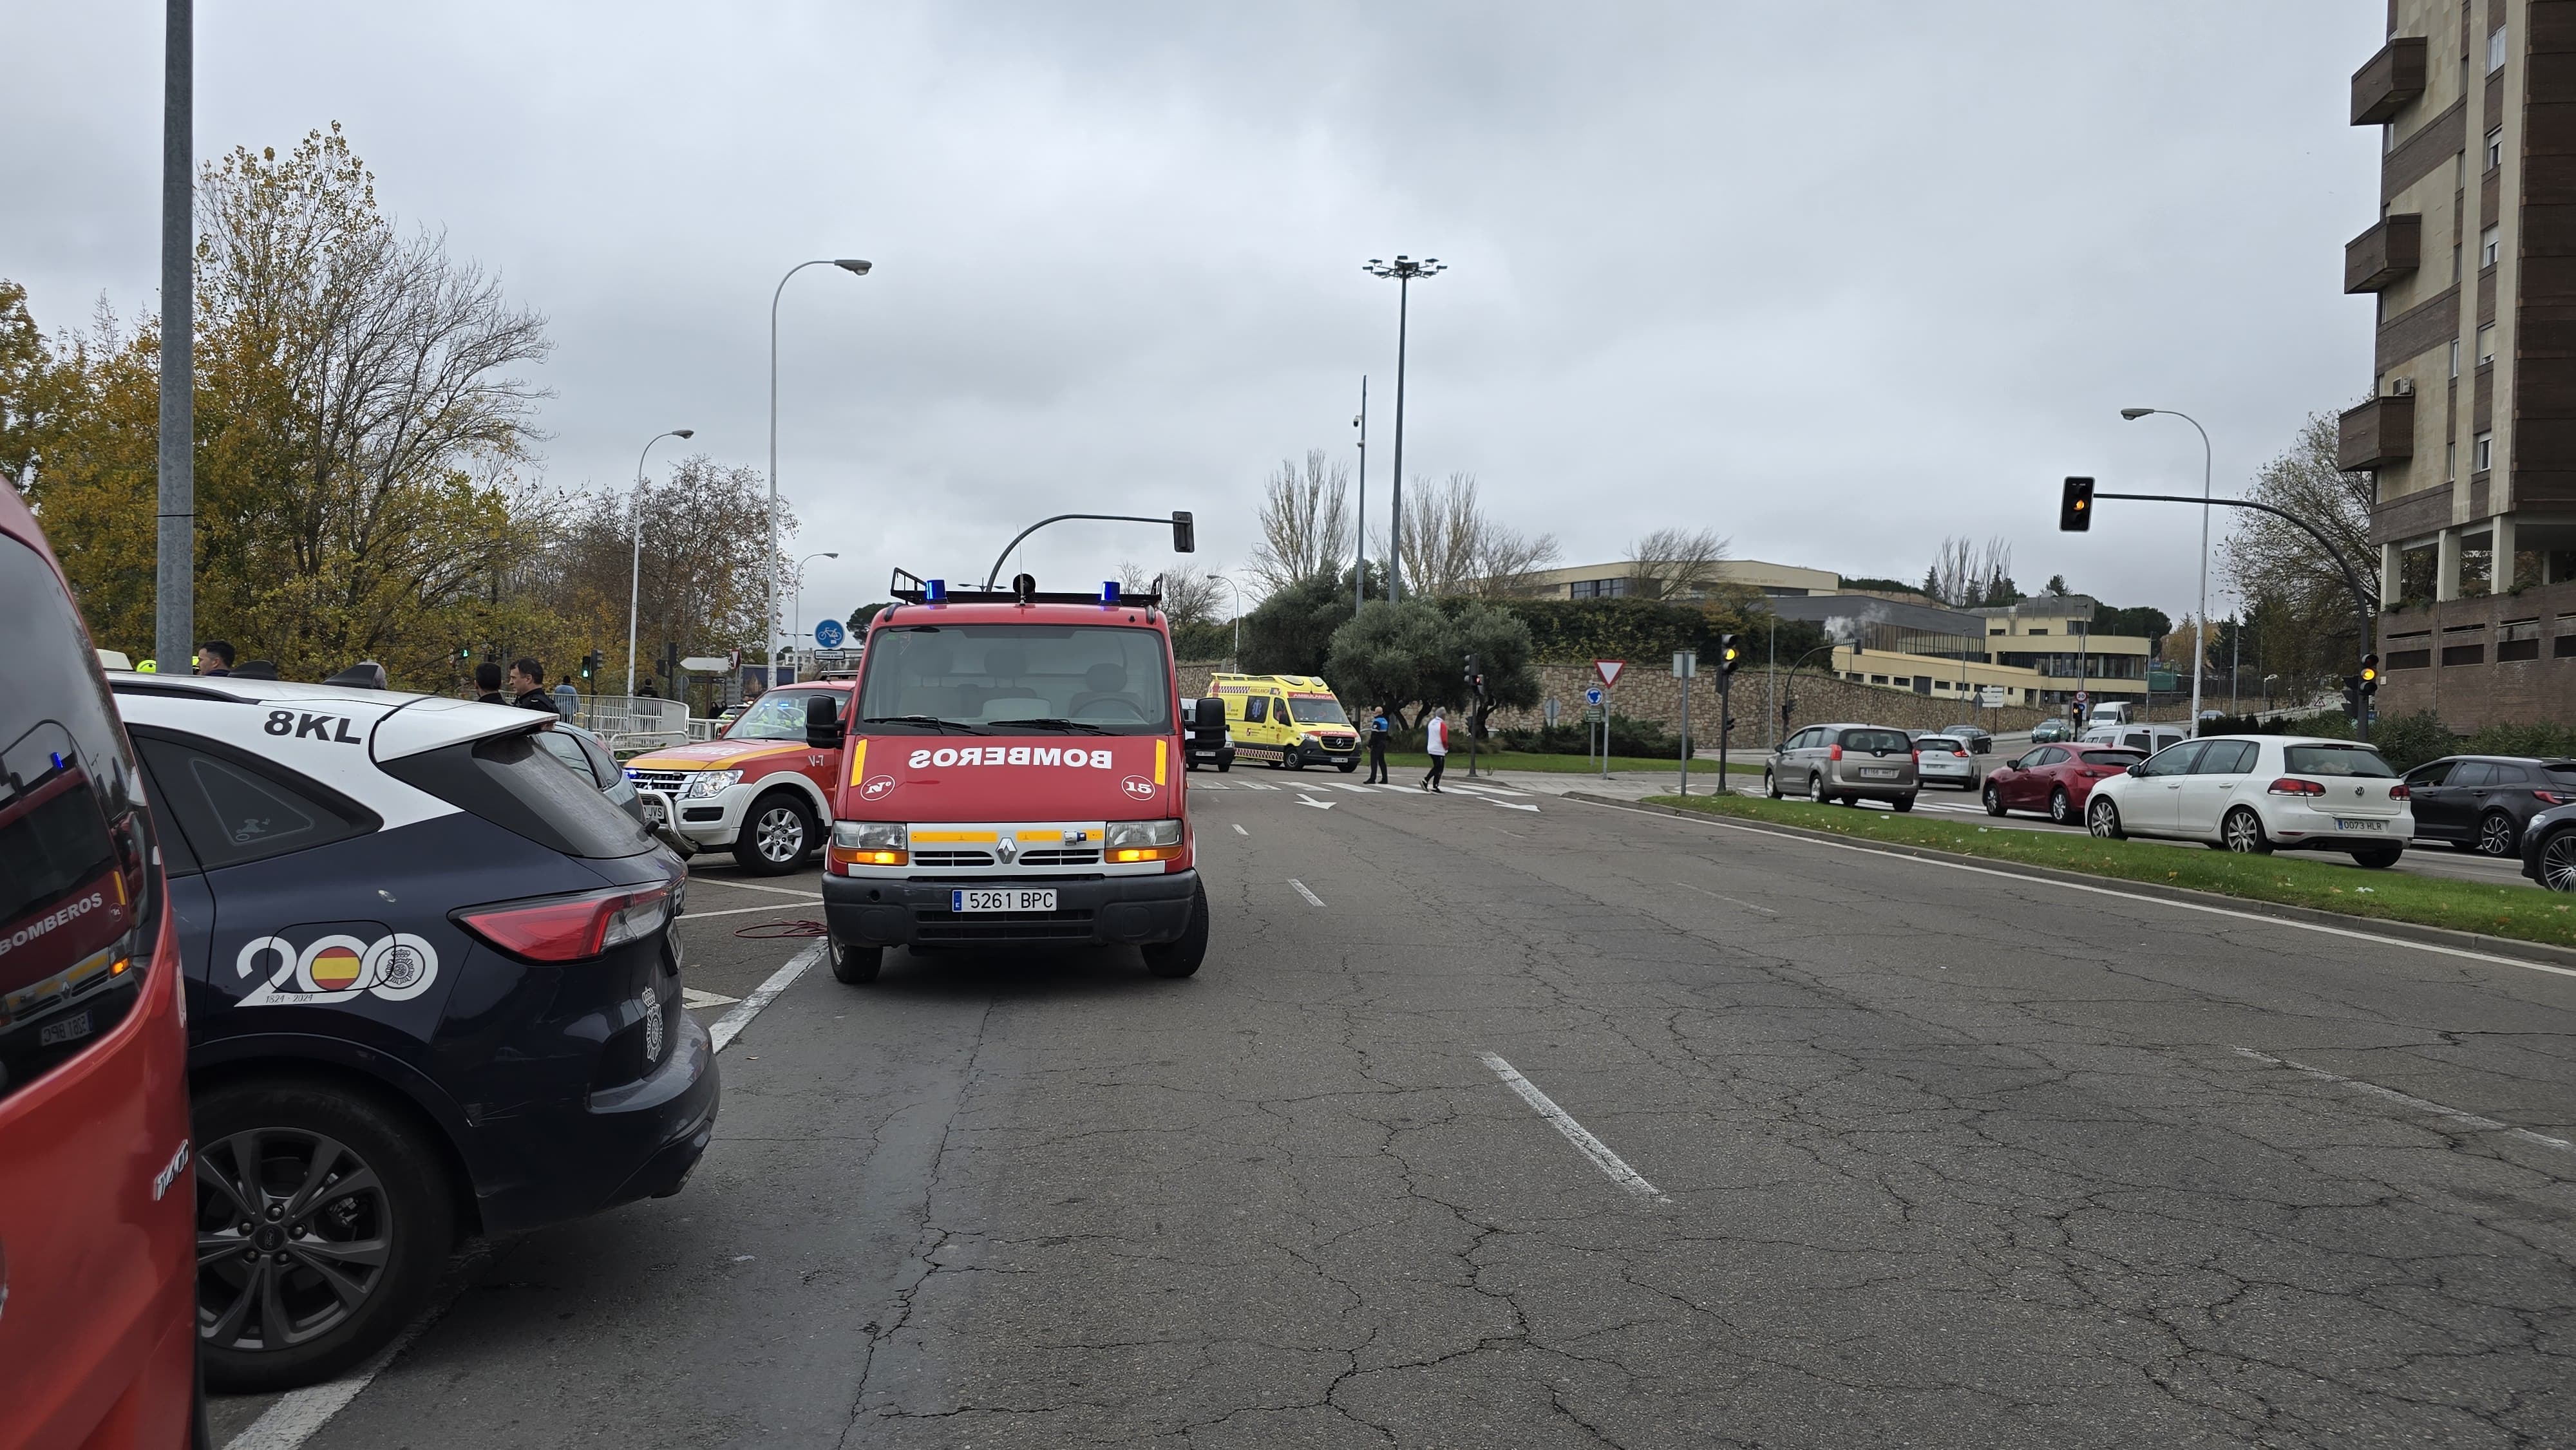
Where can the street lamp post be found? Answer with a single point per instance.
(1404, 270)
(635, 572)
(769, 563)
(798, 631)
(2200, 626)
(1359, 554)
(1236, 663)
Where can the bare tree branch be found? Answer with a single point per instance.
(1304, 520)
(1681, 562)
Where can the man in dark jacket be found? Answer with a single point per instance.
(1378, 733)
(528, 687)
(487, 679)
(215, 657)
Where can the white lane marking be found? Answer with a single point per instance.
(1729, 900)
(1575, 1133)
(754, 886)
(2421, 1105)
(1307, 800)
(693, 998)
(1350, 785)
(297, 1415)
(1248, 785)
(1485, 789)
(1311, 898)
(1239, 830)
(730, 1025)
(2253, 916)
(732, 911)
(1506, 805)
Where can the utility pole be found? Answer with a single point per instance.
(1359, 568)
(1404, 270)
(174, 604)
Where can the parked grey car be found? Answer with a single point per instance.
(1847, 763)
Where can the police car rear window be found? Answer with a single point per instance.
(513, 783)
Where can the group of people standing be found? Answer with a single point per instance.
(1435, 743)
(525, 682)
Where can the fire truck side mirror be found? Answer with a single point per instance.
(823, 722)
(1185, 533)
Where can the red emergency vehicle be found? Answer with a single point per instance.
(1012, 774)
(759, 790)
(98, 1275)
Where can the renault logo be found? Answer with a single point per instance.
(1010, 850)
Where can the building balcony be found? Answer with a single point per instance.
(2376, 434)
(2388, 251)
(2393, 77)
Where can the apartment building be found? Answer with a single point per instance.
(2470, 428)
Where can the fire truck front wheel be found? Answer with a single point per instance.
(852, 963)
(777, 832)
(1181, 956)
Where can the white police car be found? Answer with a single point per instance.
(432, 991)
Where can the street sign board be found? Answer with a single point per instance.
(1551, 712)
(829, 634)
(1592, 696)
(1685, 664)
(1609, 670)
(1992, 697)
(706, 664)
(1591, 714)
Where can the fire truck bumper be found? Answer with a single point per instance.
(1121, 910)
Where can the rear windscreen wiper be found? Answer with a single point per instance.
(933, 721)
(1053, 722)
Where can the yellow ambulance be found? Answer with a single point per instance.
(1291, 721)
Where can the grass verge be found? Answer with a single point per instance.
(2520, 911)
(1575, 764)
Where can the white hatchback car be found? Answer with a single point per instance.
(2261, 793)
(1947, 760)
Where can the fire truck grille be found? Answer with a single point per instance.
(668, 782)
(941, 926)
(952, 858)
(1086, 857)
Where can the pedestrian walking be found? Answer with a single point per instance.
(567, 699)
(527, 685)
(1435, 740)
(487, 680)
(215, 657)
(1378, 730)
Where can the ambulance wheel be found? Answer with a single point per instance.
(856, 965)
(777, 833)
(323, 1215)
(1181, 957)
(1349, 765)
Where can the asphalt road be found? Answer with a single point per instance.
(1851, 1150)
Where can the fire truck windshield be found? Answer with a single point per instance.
(1094, 679)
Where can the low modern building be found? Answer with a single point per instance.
(2470, 427)
(1627, 579)
(2040, 652)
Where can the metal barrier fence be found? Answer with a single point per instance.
(636, 722)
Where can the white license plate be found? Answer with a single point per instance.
(653, 811)
(2346, 823)
(1877, 773)
(75, 1026)
(1014, 898)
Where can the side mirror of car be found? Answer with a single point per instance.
(823, 722)
(2138, 769)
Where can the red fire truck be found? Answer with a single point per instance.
(1012, 774)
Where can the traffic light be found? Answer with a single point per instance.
(2075, 509)
(2369, 679)
(464, 654)
(1728, 656)
(2352, 696)
(589, 664)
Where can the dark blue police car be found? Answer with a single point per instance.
(432, 991)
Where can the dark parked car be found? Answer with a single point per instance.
(2484, 803)
(431, 989)
(2048, 730)
(1980, 741)
(2549, 848)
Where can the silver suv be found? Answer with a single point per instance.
(1848, 763)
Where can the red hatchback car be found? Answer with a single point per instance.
(97, 1204)
(2055, 779)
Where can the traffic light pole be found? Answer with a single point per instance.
(2361, 601)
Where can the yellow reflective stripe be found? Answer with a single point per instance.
(1162, 759)
(858, 759)
(954, 836)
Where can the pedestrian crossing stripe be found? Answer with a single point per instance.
(1483, 789)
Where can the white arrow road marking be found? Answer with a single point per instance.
(1311, 898)
(1575, 1133)
(1307, 800)
(692, 997)
(1239, 830)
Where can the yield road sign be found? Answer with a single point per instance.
(1609, 670)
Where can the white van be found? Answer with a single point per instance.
(2147, 739)
(2112, 712)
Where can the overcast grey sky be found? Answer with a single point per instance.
(1835, 281)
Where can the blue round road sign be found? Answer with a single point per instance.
(829, 634)
(1592, 696)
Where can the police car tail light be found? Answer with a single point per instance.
(569, 928)
(1133, 841)
(870, 843)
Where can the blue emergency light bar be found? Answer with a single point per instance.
(935, 590)
(1109, 593)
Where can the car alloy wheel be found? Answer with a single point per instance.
(780, 835)
(2103, 819)
(2558, 862)
(2061, 807)
(1771, 785)
(2495, 835)
(1994, 800)
(294, 1234)
(2242, 833)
